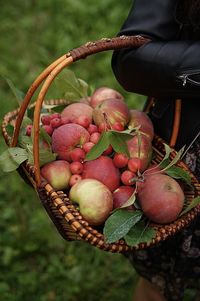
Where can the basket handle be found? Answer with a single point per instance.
(52, 71)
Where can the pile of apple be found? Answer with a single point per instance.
(98, 186)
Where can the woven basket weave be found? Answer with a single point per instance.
(64, 215)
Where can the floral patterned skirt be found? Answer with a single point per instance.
(174, 264)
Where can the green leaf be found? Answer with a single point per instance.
(46, 156)
(44, 136)
(176, 158)
(12, 158)
(83, 87)
(130, 201)
(26, 121)
(168, 151)
(193, 204)
(24, 141)
(99, 147)
(178, 173)
(19, 95)
(119, 224)
(139, 233)
(70, 87)
(118, 142)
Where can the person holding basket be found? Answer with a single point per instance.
(167, 70)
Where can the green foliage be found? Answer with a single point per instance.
(35, 262)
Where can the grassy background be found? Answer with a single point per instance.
(35, 262)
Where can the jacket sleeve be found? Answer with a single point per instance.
(166, 65)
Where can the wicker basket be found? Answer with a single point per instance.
(64, 215)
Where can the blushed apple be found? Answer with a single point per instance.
(57, 174)
(94, 198)
(161, 198)
(103, 93)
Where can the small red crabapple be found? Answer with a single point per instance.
(77, 154)
(55, 115)
(74, 179)
(108, 151)
(134, 164)
(48, 129)
(92, 128)
(76, 167)
(29, 129)
(45, 119)
(120, 160)
(126, 177)
(95, 137)
(55, 122)
(87, 146)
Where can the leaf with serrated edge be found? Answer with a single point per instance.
(178, 173)
(193, 204)
(12, 158)
(46, 156)
(119, 224)
(118, 142)
(139, 233)
(99, 147)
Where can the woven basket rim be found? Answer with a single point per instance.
(81, 227)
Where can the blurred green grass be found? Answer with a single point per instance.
(35, 262)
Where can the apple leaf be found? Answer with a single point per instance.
(118, 142)
(99, 147)
(176, 159)
(11, 158)
(130, 201)
(46, 156)
(44, 136)
(119, 224)
(70, 87)
(139, 233)
(194, 203)
(178, 173)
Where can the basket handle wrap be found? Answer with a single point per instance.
(52, 71)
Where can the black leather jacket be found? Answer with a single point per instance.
(166, 68)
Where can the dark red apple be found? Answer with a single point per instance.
(103, 170)
(66, 137)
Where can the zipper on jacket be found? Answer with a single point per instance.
(185, 78)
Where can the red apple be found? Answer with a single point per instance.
(75, 110)
(121, 195)
(139, 118)
(57, 173)
(110, 112)
(94, 198)
(161, 198)
(103, 170)
(66, 137)
(103, 93)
